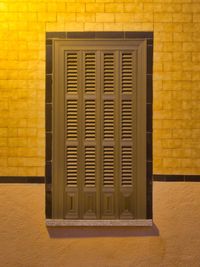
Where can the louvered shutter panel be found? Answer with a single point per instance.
(89, 131)
(100, 134)
(127, 134)
(108, 142)
(81, 135)
(119, 134)
(72, 134)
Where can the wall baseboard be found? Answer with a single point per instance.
(22, 179)
(41, 179)
(176, 178)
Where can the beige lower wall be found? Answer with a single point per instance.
(26, 242)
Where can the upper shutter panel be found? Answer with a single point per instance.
(71, 75)
(127, 61)
(108, 72)
(90, 73)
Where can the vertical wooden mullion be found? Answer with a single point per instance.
(117, 126)
(120, 129)
(80, 135)
(100, 126)
(134, 130)
(98, 132)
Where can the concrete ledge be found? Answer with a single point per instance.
(62, 222)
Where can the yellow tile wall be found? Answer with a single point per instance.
(176, 26)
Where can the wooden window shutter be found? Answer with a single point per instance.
(97, 92)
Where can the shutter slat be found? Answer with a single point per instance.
(71, 166)
(108, 73)
(108, 119)
(108, 163)
(71, 62)
(71, 119)
(90, 73)
(90, 166)
(127, 72)
(90, 119)
(126, 166)
(126, 119)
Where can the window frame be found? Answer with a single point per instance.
(144, 39)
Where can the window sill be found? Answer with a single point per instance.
(61, 222)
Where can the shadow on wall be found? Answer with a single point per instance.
(73, 232)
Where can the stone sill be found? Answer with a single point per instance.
(62, 222)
